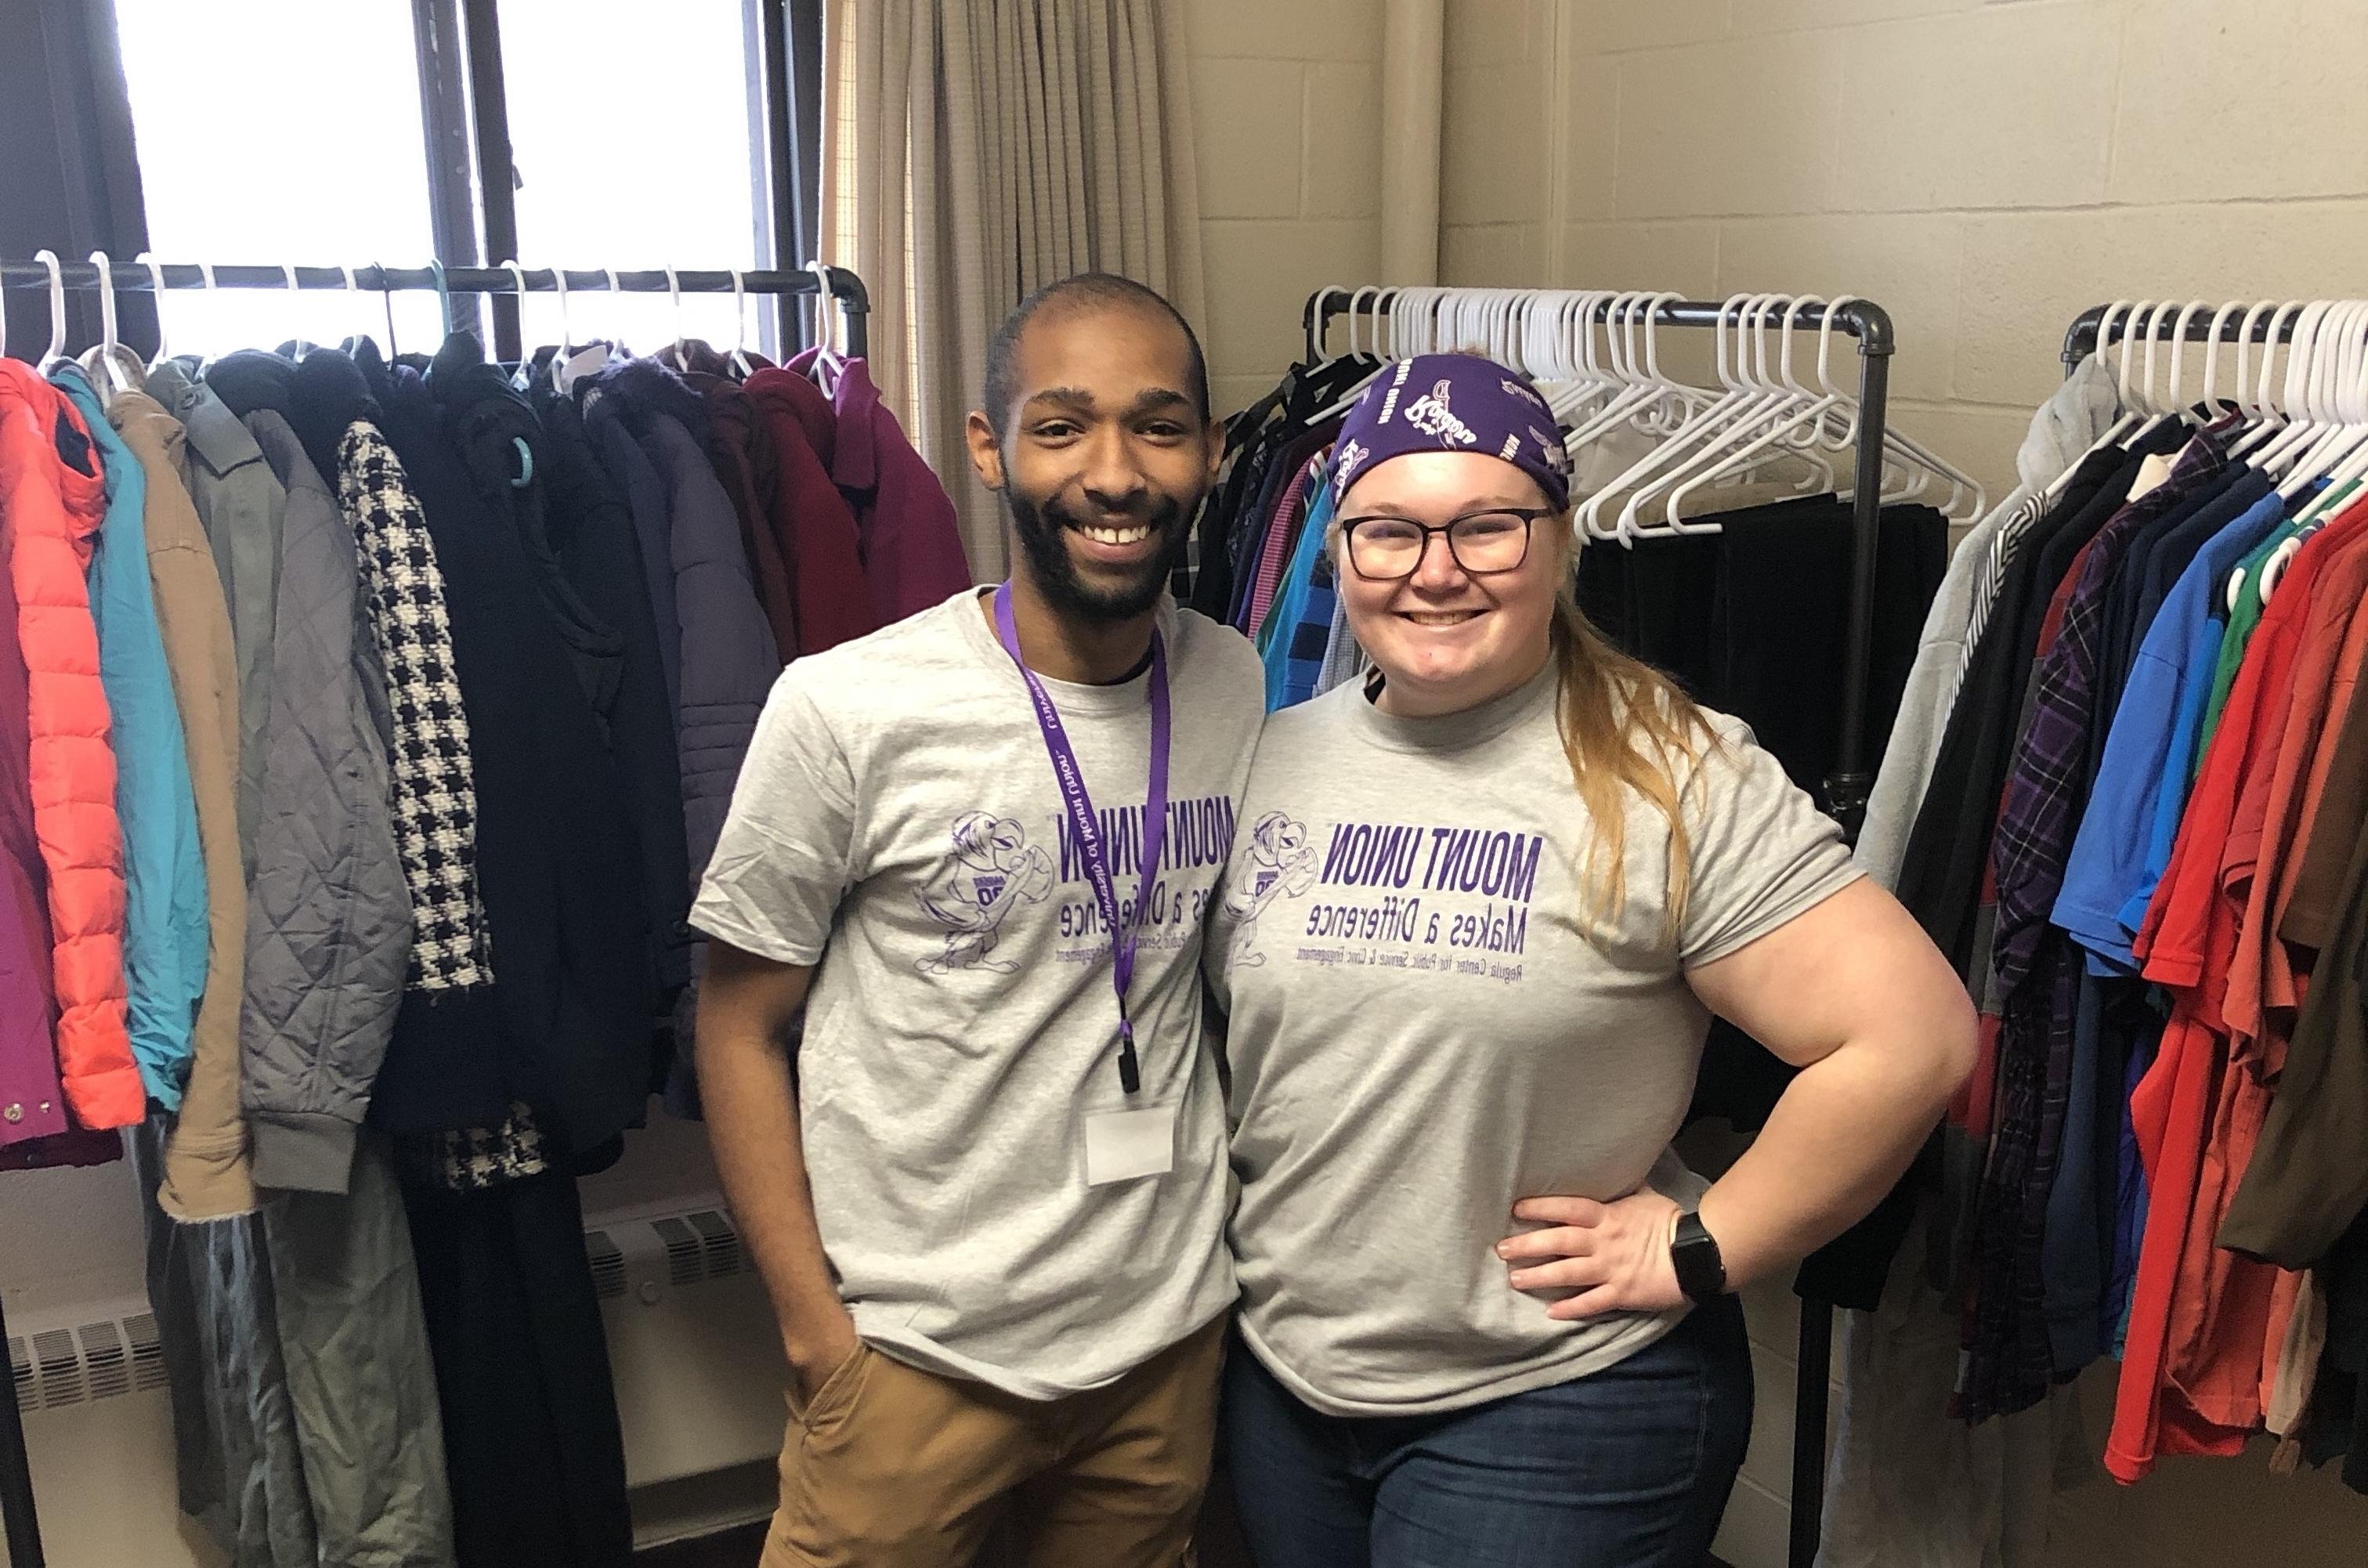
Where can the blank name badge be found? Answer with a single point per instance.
(1122, 1145)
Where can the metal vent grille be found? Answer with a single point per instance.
(608, 1265)
(718, 1241)
(63, 1367)
(147, 1351)
(105, 1359)
(59, 1366)
(686, 1264)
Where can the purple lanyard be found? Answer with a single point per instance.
(1087, 827)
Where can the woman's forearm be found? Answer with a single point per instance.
(1845, 1130)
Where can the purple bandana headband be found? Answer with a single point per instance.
(1453, 403)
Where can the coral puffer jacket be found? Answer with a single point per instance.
(54, 498)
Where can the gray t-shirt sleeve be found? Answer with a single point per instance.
(1762, 853)
(786, 856)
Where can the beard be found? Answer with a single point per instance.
(1041, 531)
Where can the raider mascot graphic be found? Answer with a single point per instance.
(1281, 863)
(994, 871)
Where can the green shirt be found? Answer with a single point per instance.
(2246, 618)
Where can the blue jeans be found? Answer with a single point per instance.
(1629, 1468)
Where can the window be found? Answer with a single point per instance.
(634, 148)
(639, 137)
(236, 166)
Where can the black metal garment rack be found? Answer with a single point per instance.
(1847, 788)
(854, 301)
(2089, 330)
(17, 1507)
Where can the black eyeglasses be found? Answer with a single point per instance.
(1384, 550)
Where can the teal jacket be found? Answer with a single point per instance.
(164, 877)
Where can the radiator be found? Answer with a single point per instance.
(693, 1345)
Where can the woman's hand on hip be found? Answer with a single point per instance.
(1615, 1256)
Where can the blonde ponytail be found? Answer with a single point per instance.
(1624, 726)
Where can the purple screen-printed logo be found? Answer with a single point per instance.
(992, 871)
(1281, 864)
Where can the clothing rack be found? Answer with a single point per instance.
(1847, 788)
(844, 288)
(2081, 339)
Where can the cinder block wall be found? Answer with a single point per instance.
(1286, 97)
(1984, 170)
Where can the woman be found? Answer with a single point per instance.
(1532, 870)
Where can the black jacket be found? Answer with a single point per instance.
(558, 860)
(591, 532)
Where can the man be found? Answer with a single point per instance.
(990, 1203)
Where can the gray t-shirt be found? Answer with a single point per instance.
(1425, 1030)
(897, 824)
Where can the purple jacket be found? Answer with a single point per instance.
(30, 1103)
(912, 546)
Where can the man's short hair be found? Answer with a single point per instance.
(1086, 290)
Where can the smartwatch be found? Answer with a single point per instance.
(1701, 1272)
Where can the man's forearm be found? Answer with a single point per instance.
(752, 1120)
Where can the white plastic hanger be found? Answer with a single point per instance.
(2178, 351)
(831, 355)
(1704, 422)
(57, 350)
(1735, 423)
(2301, 459)
(298, 346)
(353, 340)
(2335, 382)
(213, 294)
(1317, 343)
(2343, 392)
(566, 334)
(2308, 421)
(118, 368)
(740, 364)
(1787, 423)
(569, 369)
(2299, 353)
(2273, 417)
(2214, 336)
(674, 294)
(1348, 399)
(1806, 412)
(1649, 401)
(519, 377)
(567, 365)
(2354, 467)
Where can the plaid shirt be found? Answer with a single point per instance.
(2008, 1364)
(2050, 770)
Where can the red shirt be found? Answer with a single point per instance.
(2204, 1322)
(2263, 973)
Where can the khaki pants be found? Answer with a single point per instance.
(895, 1468)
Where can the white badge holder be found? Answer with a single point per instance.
(1125, 1145)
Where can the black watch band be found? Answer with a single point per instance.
(1701, 1272)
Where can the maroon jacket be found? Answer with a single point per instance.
(742, 450)
(31, 1104)
(912, 546)
(810, 520)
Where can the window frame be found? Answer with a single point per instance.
(472, 183)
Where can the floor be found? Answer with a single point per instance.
(739, 1549)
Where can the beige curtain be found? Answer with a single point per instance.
(977, 150)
